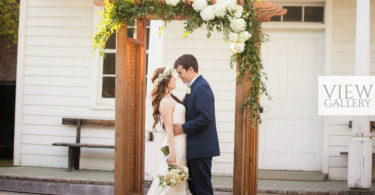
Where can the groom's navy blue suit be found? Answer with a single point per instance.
(202, 140)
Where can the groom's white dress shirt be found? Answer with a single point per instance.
(192, 81)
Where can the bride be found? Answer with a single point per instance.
(168, 110)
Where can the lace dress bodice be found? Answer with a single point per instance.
(178, 117)
(179, 114)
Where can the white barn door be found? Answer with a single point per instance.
(290, 132)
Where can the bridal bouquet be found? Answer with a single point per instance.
(175, 175)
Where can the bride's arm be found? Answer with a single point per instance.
(167, 105)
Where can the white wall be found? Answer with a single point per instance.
(343, 47)
(54, 81)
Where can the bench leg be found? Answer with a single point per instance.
(70, 158)
(73, 158)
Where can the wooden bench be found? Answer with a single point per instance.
(372, 125)
(75, 148)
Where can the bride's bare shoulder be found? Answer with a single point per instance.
(167, 102)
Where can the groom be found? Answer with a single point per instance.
(200, 127)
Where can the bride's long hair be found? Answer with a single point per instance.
(158, 93)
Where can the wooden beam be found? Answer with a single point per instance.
(266, 10)
(245, 147)
(130, 111)
(100, 3)
(120, 145)
(153, 17)
(88, 122)
(140, 87)
(135, 41)
(245, 179)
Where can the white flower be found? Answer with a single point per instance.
(186, 170)
(238, 25)
(237, 47)
(233, 37)
(238, 11)
(220, 9)
(231, 5)
(244, 36)
(188, 90)
(208, 13)
(172, 2)
(199, 5)
(164, 75)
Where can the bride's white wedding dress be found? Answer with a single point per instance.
(180, 148)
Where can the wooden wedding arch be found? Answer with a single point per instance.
(130, 112)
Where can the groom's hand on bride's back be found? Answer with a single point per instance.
(177, 129)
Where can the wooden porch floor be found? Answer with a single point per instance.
(55, 180)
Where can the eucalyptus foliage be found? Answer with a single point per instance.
(249, 64)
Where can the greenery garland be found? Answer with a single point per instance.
(250, 65)
(9, 10)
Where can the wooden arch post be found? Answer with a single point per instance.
(130, 110)
(245, 169)
(130, 113)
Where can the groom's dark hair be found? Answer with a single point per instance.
(187, 61)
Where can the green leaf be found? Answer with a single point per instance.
(165, 150)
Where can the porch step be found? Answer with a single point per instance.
(60, 181)
(40, 180)
(292, 175)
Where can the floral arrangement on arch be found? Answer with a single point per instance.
(239, 24)
(224, 8)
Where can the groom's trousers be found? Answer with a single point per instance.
(200, 176)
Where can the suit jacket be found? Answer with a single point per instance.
(200, 126)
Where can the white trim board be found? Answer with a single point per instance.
(328, 19)
(20, 83)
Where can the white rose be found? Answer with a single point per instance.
(238, 25)
(172, 2)
(237, 47)
(238, 11)
(199, 5)
(175, 176)
(208, 13)
(244, 36)
(220, 9)
(233, 37)
(231, 5)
